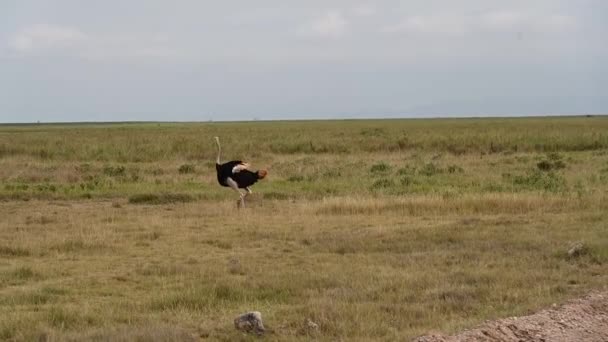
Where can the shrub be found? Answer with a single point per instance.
(373, 132)
(297, 178)
(539, 180)
(46, 188)
(407, 170)
(430, 169)
(553, 162)
(186, 168)
(164, 198)
(8, 251)
(554, 156)
(24, 272)
(382, 183)
(380, 167)
(332, 174)
(407, 181)
(544, 165)
(455, 169)
(547, 165)
(114, 171)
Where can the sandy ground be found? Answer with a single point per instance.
(584, 319)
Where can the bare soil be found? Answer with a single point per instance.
(583, 319)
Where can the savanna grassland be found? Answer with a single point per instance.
(373, 229)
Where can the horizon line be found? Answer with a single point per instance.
(363, 118)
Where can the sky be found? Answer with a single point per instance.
(199, 60)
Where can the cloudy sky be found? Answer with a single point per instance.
(198, 60)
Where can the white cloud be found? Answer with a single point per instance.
(46, 37)
(494, 21)
(332, 24)
(431, 24)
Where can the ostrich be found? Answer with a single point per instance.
(236, 174)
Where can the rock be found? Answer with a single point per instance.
(308, 328)
(250, 322)
(576, 250)
(311, 325)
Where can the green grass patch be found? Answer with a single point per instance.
(186, 169)
(162, 198)
(8, 251)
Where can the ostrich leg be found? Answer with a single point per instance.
(241, 202)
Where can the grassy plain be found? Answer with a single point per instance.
(375, 229)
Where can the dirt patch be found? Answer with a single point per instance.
(584, 319)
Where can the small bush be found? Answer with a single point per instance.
(539, 180)
(407, 181)
(493, 187)
(331, 174)
(407, 170)
(8, 251)
(382, 183)
(114, 171)
(46, 187)
(24, 273)
(219, 244)
(546, 165)
(554, 156)
(164, 198)
(430, 169)
(373, 132)
(297, 178)
(380, 167)
(553, 162)
(455, 169)
(187, 168)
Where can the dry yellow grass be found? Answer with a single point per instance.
(361, 268)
